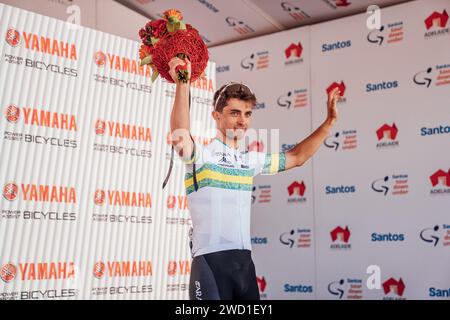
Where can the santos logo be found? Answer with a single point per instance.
(259, 240)
(393, 237)
(424, 131)
(337, 45)
(224, 68)
(434, 292)
(298, 288)
(340, 189)
(385, 85)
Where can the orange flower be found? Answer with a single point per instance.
(144, 51)
(173, 13)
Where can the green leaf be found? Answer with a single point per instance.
(153, 40)
(173, 24)
(170, 27)
(182, 26)
(179, 26)
(146, 60)
(155, 75)
(173, 20)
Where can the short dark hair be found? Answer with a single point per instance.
(235, 90)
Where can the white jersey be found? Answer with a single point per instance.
(220, 208)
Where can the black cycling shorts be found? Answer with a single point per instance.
(223, 275)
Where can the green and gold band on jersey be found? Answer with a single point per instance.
(275, 162)
(215, 176)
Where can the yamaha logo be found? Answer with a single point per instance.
(12, 113)
(100, 58)
(10, 191)
(12, 37)
(8, 272)
(100, 127)
(99, 270)
(172, 268)
(99, 197)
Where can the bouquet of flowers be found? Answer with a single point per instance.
(166, 38)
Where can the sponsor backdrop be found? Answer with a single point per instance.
(377, 193)
(84, 151)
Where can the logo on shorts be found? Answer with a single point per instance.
(198, 290)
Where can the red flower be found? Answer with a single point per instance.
(142, 33)
(183, 39)
(153, 29)
(188, 42)
(157, 28)
(145, 37)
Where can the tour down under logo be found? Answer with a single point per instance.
(256, 61)
(391, 185)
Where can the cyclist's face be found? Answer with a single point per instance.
(235, 118)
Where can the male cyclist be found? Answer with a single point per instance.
(218, 182)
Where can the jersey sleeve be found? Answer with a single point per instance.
(270, 163)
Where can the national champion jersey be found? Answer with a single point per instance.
(220, 208)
